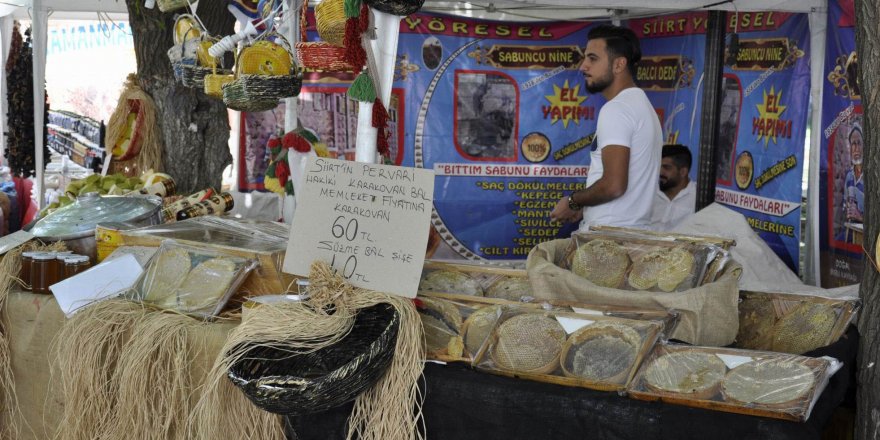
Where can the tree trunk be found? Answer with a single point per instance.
(195, 127)
(868, 50)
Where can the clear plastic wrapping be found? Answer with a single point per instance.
(263, 241)
(476, 280)
(740, 381)
(256, 236)
(632, 261)
(194, 280)
(792, 323)
(467, 304)
(588, 351)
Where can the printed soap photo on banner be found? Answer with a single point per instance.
(486, 115)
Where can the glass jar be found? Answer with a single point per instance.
(75, 264)
(42, 267)
(27, 259)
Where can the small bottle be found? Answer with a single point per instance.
(75, 264)
(164, 188)
(41, 270)
(27, 259)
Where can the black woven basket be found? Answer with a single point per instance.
(292, 384)
(253, 93)
(193, 76)
(396, 7)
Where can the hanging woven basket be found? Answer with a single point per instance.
(318, 55)
(214, 82)
(330, 21)
(194, 75)
(256, 92)
(184, 53)
(396, 7)
(295, 383)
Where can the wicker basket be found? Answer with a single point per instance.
(330, 21)
(186, 26)
(184, 54)
(214, 82)
(296, 383)
(193, 76)
(396, 7)
(257, 93)
(318, 55)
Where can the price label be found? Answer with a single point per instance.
(369, 221)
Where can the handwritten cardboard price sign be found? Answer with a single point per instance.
(370, 222)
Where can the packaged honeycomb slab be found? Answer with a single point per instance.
(589, 351)
(792, 323)
(479, 279)
(194, 280)
(480, 313)
(708, 312)
(750, 382)
(631, 261)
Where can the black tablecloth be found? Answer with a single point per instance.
(461, 403)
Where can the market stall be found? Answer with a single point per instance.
(174, 320)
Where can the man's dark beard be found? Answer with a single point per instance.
(667, 184)
(597, 87)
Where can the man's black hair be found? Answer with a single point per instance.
(679, 154)
(620, 42)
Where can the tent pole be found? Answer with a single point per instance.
(712, 98)
(818, 31)
(291, 121)
(40, 34)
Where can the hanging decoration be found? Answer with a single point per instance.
(20, 141)
(288, 157)
(363, 90)
(132, 131)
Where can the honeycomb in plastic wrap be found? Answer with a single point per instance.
(450, 281)
(442, 323)
(604, 351)
(686, 373)
(510, 288)
(602, 262)
(530, 343)
(665, 268)
(769, 382)
(478, 326)
(804, 328)
(166, 275)
(756, 317)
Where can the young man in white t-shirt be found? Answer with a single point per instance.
(625, 164)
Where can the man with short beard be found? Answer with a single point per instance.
(676, 198)
(625, 159)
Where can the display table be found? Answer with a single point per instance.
(31, 322)
(460, 403)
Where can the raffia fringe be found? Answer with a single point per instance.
(390, 410)
(10, 266)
